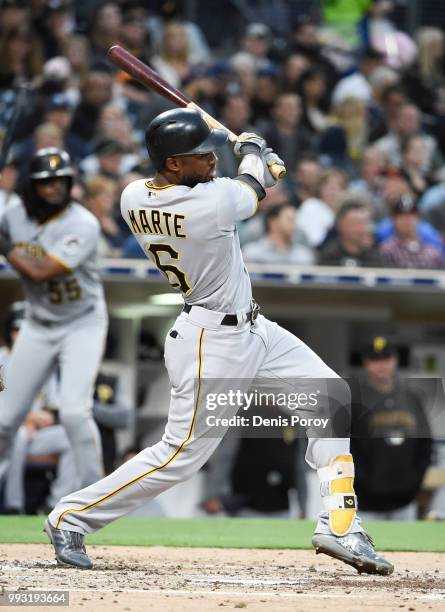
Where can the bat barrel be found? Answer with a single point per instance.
(144, 74)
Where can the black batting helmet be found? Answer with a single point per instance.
(181, 131)
(47, 163)
(50, 162)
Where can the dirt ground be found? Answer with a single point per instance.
(198, 580)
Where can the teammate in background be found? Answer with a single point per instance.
(51, 242)
(392, 439)
(185, 219)
(40, 435)
(43, 439)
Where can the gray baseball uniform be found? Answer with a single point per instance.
(191, 235)
(66, 323)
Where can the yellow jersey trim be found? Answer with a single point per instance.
(160, 467)
(149, 185)
(59, 261)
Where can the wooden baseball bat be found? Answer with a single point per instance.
(152, 80)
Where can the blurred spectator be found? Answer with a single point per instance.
(286, 135)
(45, 135)
(203, 88)
(343, 143)
(48, 135)
(100, 199)
(133, 34)
(57, 22)
(76, 49)
(281, 244)
(406, 249)
(294, 66)
(96, 91)
(21, 55)
(13, 14)
(254, 47)
(59, 112)
(307, 176)
(109, 159)
(424, 82)
(114, 124)
(306, 41)
(264, 96)
(396, 187)
(174, 62)
(235, 116)
(391, 439)
(389, 102)
(414, 162)
(407, 123)
(313, 92)
(8, 182)
(371, 181)
(316, 215)
(174, 11)
(357, 84)
(253, 228)
(106, 23)
(354, 244)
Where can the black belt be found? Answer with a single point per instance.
(232, 319)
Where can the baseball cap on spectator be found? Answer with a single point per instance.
(57, 69)
(379, 348)
(405, 204)
(108, 146)
(257, 30)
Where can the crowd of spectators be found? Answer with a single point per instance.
(359, 126)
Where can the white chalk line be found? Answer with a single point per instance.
(194, 592)
(187, 593)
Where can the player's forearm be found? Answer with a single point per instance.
(251, 164)
(37, 269)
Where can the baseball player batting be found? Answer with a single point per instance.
(51, 242)
(185, 220)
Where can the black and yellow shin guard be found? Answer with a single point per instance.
(337, 490)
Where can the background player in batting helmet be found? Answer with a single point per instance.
(185, 220)
(51, 242)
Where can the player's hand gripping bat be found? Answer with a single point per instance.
(148, 77)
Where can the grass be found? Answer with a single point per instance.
(415, 536)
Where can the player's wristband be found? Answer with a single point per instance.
(248, 179)
(249, 149)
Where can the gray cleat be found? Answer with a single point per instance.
(69, 547)
(356, 549)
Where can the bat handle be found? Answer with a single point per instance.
(277, 171)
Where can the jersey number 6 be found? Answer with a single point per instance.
(180, 282)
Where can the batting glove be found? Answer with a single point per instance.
(5, 244)
(247, 142)
(269, 158)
